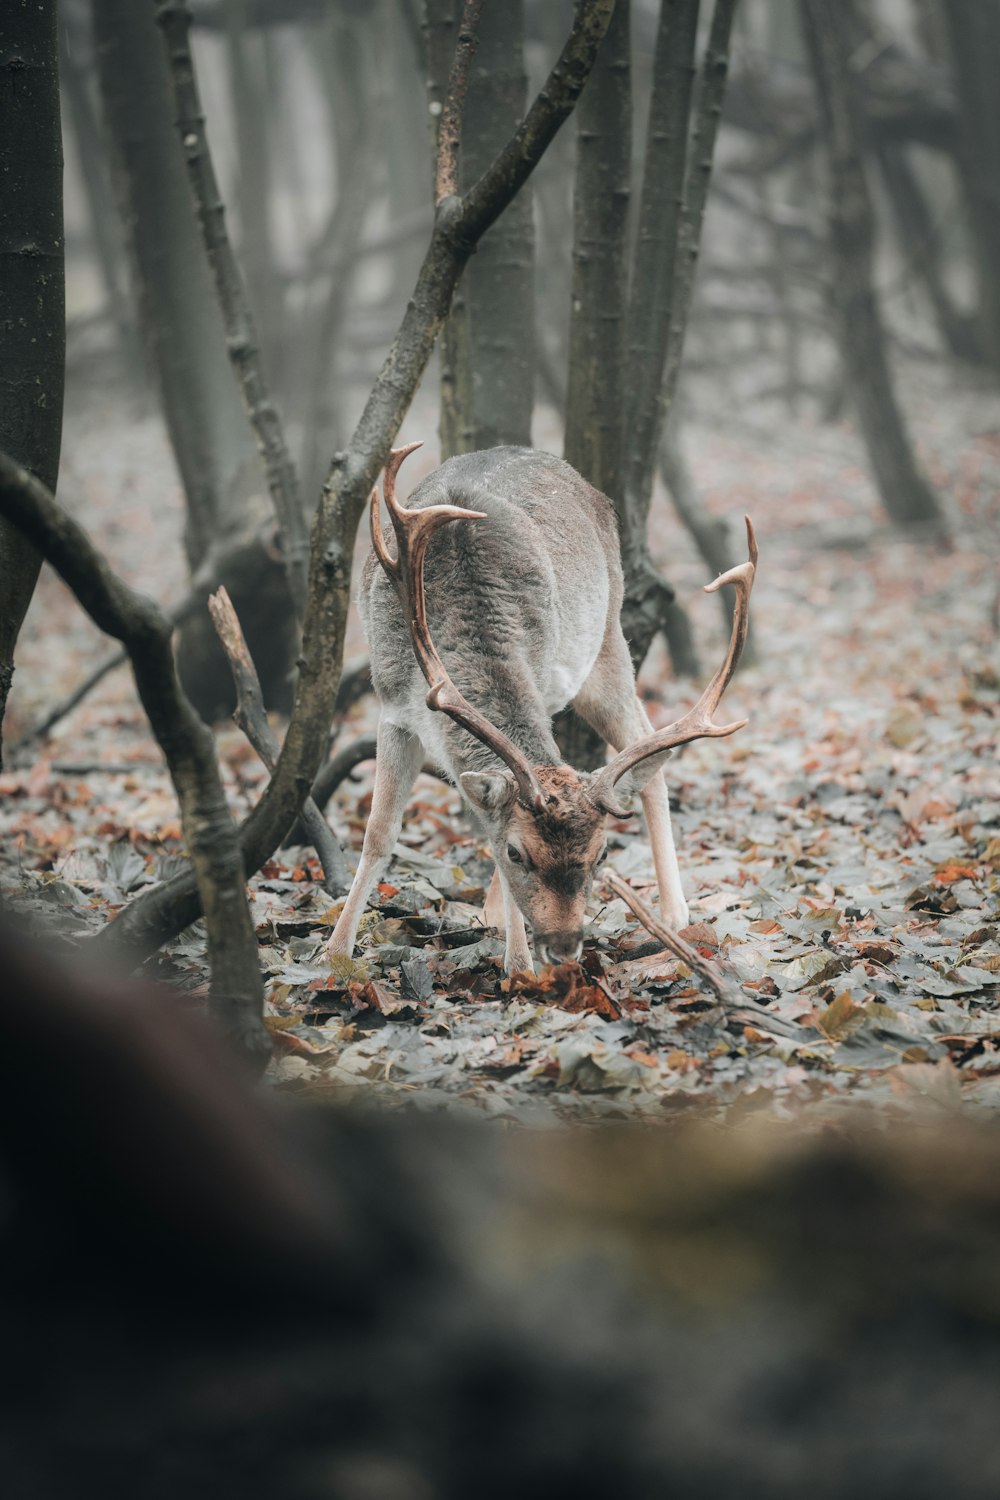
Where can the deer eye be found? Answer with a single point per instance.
(603, 855)
(514, 855)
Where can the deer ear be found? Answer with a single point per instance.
(490, 791)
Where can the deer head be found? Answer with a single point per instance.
(548, 855)
(545, 824)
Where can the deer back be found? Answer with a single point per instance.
(518, 603)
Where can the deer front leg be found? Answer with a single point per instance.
(398, 757)
(500, 911)
(609, 704)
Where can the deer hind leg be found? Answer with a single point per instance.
(398, 758)
(609, 703)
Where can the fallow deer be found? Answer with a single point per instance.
(525, 609)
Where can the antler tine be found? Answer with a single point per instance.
(414, 529)
(697, 722)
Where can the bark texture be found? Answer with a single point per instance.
(599, 290)
(487, 358)
(905, 491)
(32, 291)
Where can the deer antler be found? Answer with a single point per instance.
(414, 529)
(697, 722)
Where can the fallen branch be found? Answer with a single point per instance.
(459, 224)
(236, 995)
(251, 716)
(739, 1008)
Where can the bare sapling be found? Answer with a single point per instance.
(526, 611)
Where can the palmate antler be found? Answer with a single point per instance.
(414, 529)
(697, 722)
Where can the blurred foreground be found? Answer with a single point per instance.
(205, 1298)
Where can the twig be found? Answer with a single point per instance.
(449, 138)
(713, 977)
(728, 997)
(152, 919)
(236, 988)
(174, 18)
(251, 717)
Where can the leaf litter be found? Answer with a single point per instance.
(841, 855)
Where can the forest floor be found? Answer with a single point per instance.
(841, 855)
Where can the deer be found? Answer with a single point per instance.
(525, 608)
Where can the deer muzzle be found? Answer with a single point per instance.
(559, 947)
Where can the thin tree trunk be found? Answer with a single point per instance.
(698, 175)
(598, 292)
(220, 472)
(32, 287)
(488, 366)
(246, 51)
(919, 236)
(598, 295)
(649, 600)
(974, 34)
(105, 227)
(238, 320)
(348, 75)
(905, 491)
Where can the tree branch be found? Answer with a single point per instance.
(251, 717)
(449, 139)
(735, 1004)
(174, 18)
(217, 866)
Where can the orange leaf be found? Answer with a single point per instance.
(948, 874)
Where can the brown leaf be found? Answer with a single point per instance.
(840, 1018)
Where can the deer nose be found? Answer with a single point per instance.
(560, 947)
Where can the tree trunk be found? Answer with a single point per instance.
(247, 59)
(220, 471)
(32, 287)
(649, 599)
(974, 34)
(905, 491)
(598, 296)
(598, 293)
(76, 74)
(919, 242)
(487, 362)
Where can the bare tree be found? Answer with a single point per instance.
(905, 491)
(32, 300)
